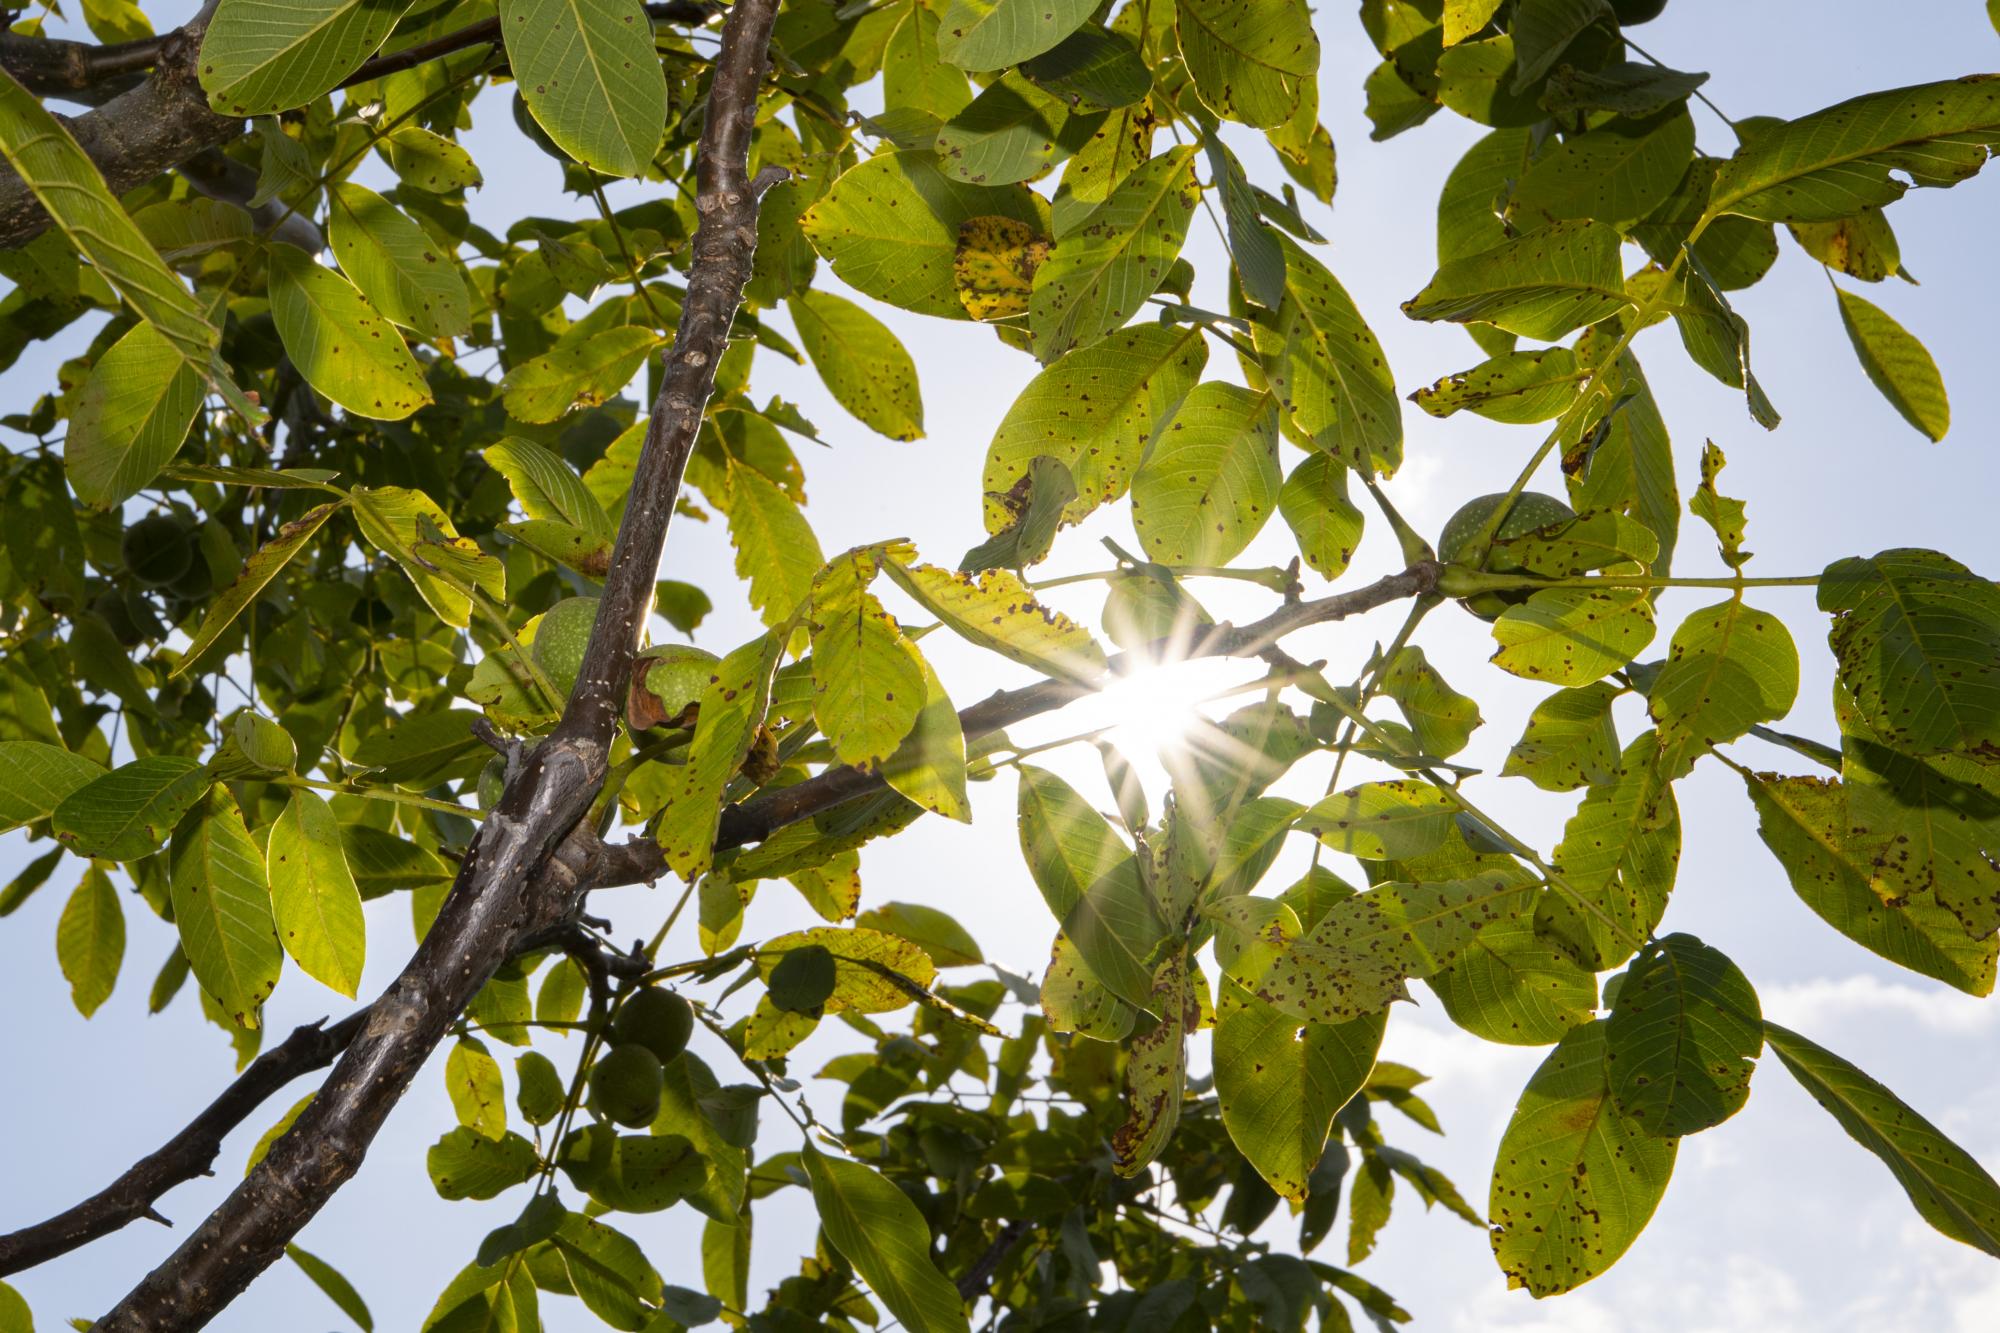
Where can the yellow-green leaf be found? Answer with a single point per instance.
(313, 894)
(338, 342)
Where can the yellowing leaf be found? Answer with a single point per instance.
(994, 270)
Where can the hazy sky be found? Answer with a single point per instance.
(1774, 1221)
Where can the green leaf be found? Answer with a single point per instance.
(539, 1092)
(929, 766)
(1570, 740)
(1211, 479)
(1355, 961)
(868, 680)
(583, 373)
(1616, 173)
(336, 1286)
(1619, 851)
(1382, 821)
(1917, 637)
(866, 367)
(1897, 364)
(608, 1271)
(982, 35)
(1118, 931)
(1576, 1179)
(1256, 248)
(1804, 821)
(222, 905)
(1835, 162)
(914, 76)
(890, 228)
(67, 184)
(1862, 246)
(1573, 636)
(466, 1164)
(1542, 285)
(590, 77)
(1946, 1184)
(1730, 666)
(130, 418)
(264, 565)
(1068, 846)
(90, 940)
(117, 816)
(1327, 369)
(409, 528)
(1094, 410)
(1682, 1039)
(775, 547)
(874, 972)
(732, 708)
(430, 161)
(395, 263)
(545, 486)
(1093, 70)
(937, 933)
(339, 344)
(1469, 205)
(1930, 825)
(263, 56)
(36, 778)
(1543, 29)
(1512, 986)
(1718, 510)
(1716, 337)
(1442, 719)
(1037, 502)
(313, 895)
(1251, 60)
(878, 1230)
(997, 611)
(1013, 131)
(1156, 1067)
(1095, 279)
(1280, 1083)
(1518, 388)
(1074, 1000)
(478, 1094)
(1315, 506)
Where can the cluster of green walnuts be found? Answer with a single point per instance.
(648, 1032)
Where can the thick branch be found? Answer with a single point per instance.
(503, 893)
(186, 1155)
(164, 120)
(135, 136)
(52, 67)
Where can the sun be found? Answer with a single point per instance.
(1155, 709)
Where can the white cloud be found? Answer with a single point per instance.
(1824, 1002)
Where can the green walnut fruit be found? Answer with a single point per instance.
(112, 608)
(158, 549)
(1531, 510)
(1637, 11)
(655, 1020)
(676, 674)
(561, 638)
(625, 1085)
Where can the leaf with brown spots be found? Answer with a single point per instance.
(994, 269)
(1576, 1180)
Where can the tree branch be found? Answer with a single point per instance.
(148, 129)
(163, 120)
(503, 894)
(641, 860)
(186, 1155)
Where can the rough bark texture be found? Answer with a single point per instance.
(135, 136)
(502, 894)
(142, 126)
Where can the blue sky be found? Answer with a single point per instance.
(1774, 1221)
